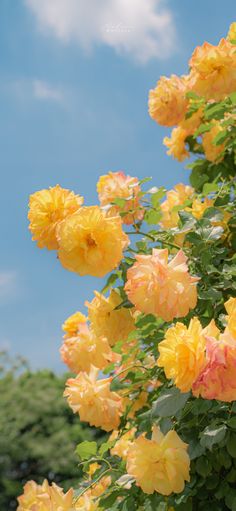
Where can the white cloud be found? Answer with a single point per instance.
(8, 285)
(143, 29)
(43, 90)
(35, 89)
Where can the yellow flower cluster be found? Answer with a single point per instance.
(213, 77)
(89, 242)
(202, 359)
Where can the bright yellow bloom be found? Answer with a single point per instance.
(176, 197)
(213, 70)
(135, 404)
(90, 243)
(93, 400)
(167, 102)
(177, 144)
(213, 152)
(157, 287)
(92, 468)
(160, 464)
(192, 123)
(106, 320)
(182, 353)
(123, 444)
(232, 33)
(44, 498)
(47, 208)
(86, 503)
(85, 349)
(198, 207)
(98, 489)
(72, 324)
(116, 185)
(230, 306)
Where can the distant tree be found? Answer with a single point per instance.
(38, 432)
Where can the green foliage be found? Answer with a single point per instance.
(38, 433)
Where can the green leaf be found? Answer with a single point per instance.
(221, 137)
(232, 98)
(195, 449)
(169, 403)
(232, 422)
(106, 446)
(209, 188)
(231, 445)
(215, 111)
(212, 435)
(203, 466)
(152, 216)
(86, 450)
(119, 202)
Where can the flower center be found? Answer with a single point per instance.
(90, 241)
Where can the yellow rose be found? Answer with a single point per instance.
(213, 70)
(213, 152)
(156, 286)
(232, 33)
(72, 324)
(167, 102)
(182, 353)
(106, 320)
(230, 306)
(160, 464)
(177, 144)
(44, 497)
(116, 185)
(123, 444)
(47, 208)
(93, 400)
(90, 243)
(176, 197)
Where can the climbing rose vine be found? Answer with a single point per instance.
(154, 361)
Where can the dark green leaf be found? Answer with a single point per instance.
(169, 403)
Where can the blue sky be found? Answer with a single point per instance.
(75, 76)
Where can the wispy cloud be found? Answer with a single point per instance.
(8, 285)
(25, 89)
(142, 29)
(44, 91)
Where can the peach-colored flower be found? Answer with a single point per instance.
(191, 124)
(217, 379)
(93, 400)
(167, 102)
(90, 243)
(157, 287)
(47, 208)
(213, 70)
(134, 404)
(85, 349)
(106, 320)
(117, 185)
(231, 36)
(177, 144)
(182, 353)
(123, 443)
(160, 464)
(44, 498)
(230, 306)
(86, 503)
(72, 324)
(176, 197)
(213, 152)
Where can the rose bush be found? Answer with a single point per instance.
(165, 336)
